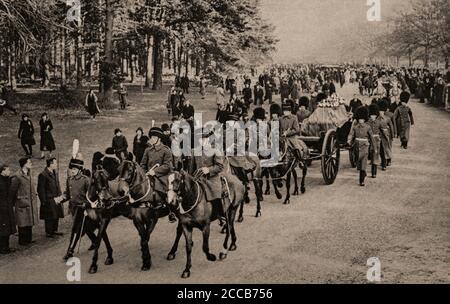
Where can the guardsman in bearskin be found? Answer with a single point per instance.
(303, 112)
(290, 130)
(403, 117)
(387, 135)
(375, 124)
(158, 163)
(361, 138)
(77, 186)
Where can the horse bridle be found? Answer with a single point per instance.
(133, 178)
(179, 198)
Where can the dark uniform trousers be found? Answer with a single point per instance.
(25, 235)
(51, 226)
(4, 243)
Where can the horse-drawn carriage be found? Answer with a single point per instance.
(325, 133)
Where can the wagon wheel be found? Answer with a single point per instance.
(330, 157)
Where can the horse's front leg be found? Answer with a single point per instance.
(173, 251)
(241, 215)
(104, 222)
(223, 255)
(288, 189)
(109, 259)
(305, 172)
(259, 197)
(187, 231)
(231, 218)
(267, 176)
(295, 176)
(206, 230)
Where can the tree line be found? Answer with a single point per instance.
(117, 39)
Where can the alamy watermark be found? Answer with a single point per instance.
(74, 12)
(374, 271)
(74, 272)
(374, 12)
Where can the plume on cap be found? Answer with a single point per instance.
(75, 148)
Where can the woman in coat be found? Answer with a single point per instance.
(7, 220)
(26, 135)
(23, 196)
(91, 104)
(140, 144)
(47, 143)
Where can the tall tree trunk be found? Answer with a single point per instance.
(149, 60)
(410, 58)
(12, 66)
(197, 66)
(63, 58)
(187, 63)
(79, 58)
(426, 57)
(158, 61)
(107, 66)
(131, 61)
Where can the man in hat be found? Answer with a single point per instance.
(290, 130)
(23, 197)
(7, 220)
(77, 186)
(158, 163)
(361, 139)
(375, 124)
(303, 112)
(4, 100)
(387, 135)
(50, 195)
(120, 145)
(403, 117)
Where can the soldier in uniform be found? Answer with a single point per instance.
(303, 112)
(404, 119)
(361, 138)
(387, 135)
(158, 163)
(77, 186)
(290, 130)
(375, 124)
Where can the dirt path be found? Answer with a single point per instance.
(324, 236)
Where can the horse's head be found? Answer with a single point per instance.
(177, 186)
(127, 173)
(100, 182)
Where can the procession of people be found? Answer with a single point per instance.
(301, 90)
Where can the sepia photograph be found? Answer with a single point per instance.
(197, 143)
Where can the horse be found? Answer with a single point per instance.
(135, 185)
(286, 169)
(188, 200)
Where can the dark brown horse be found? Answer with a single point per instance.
(188, 199)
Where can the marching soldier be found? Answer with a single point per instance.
(158, 163)
(404, 119)
(290, 130)
(77, 186)
(361, 138)
(375, 124)
(387, 135)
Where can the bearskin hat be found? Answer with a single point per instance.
(288, 105)
(382, 105)
(362, 113)
(275, 109)
(233, 117)
(76, 163)
(374, 110)
(303, 102)
(404, 97)
(259, 113)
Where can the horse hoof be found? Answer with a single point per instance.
(171, 256)
(261, 199)
(240, 219)
(279, 196)
(186, 274)
(109, 261)
(223, 256)
(233, 247)
(93, 269)
(267, 192)
(295, 192)
(145, 267)
(303, 190)
(287, 202)
(67, 257)
(247, 200)
(211, 258)
(258, 214)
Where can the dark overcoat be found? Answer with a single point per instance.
(48, 189)
(7, 220)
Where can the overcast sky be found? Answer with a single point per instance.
(308, 29)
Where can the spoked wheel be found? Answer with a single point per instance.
(331, 154)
